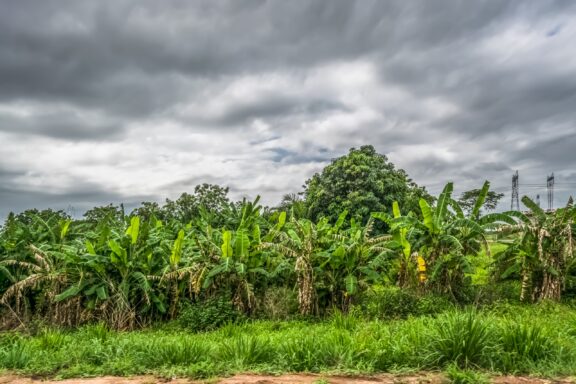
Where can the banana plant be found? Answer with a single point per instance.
(49, 272)
(542, 252)
(242, 266)
(440, 237)
(29, 269)
(122, 261)
(303, 242)
(405, 265)
(353, 262)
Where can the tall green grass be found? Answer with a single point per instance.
(464, 339)
(466, 344)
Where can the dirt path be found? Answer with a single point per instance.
(423, 378)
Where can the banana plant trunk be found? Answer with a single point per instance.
(551, 287)
(552, 283)
(175, 300)
(526, 283)
(306, 290)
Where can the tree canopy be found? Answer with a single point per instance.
(468, 199)
(210, 197)
(361, 182)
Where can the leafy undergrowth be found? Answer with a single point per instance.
(467, 345)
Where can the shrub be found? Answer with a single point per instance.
(395, 303)
(507, 291)
(433, 304)
(209, 315)
(279, 303)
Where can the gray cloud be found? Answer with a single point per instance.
(59, 126)
(74, 200)
(124, 99)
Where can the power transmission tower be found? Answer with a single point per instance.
(70, 210)
(515, 200)
(550, 188)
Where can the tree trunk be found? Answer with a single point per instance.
(526, 283)
(552, 283)
(551, 288)
(174, 300)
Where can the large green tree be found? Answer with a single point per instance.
(468, 199)
(207, 199)
(361, 182)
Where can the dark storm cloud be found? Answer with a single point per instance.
(75, 200)
(116, 53)
(59, 126)
(515, 101)
(7, 174)
(278, 107)
(188, 183)
(556, 150)
(271, 107)
(281, 155)
(452, 89)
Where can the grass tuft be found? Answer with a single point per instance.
(246, 350)
(463, 339)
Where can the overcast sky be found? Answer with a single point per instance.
(123, 101)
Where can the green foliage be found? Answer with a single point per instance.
(519, 340)
(445, 239)
(208, 200)
(474, 200)
(395, 303)
(347, 322)
(456, 375)
(209, 315)
(50, 339)
(294, 204)
(160, 352)
(523, 344)
(98, 332)
(246, 350)
(112, 271)
(463, 339)
(302, 354)
(361, 182)
(109, 213)
(542, 251)
(279, 303)
(507, 291)
(15, 356)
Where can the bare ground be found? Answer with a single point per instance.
(424, 378)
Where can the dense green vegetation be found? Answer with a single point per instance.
(361, 182)
(539, 340)
(363, 246)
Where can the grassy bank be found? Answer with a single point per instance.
(537, 340)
